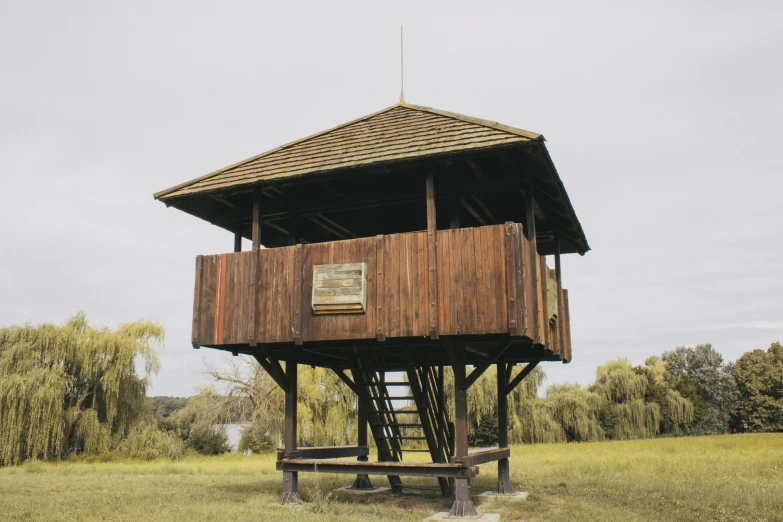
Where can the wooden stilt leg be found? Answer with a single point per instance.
(504, 486)
(290, 478)
(463, 501)
(362, 481)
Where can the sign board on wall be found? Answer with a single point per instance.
(340, 289)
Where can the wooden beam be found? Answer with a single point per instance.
(325, 452)
(472, 211)
(293, 229)
(504, 475)
(380, 311)
(432, 256)
(325, 204)
(224, 201)
(512, 288)
(347, 380)
(274, 370)
(482, 457)
(315, 220)
(256, 226)
(238, 241)
(407, 469)
(480, 369)
(537, 335)
(296, 299)
(521, 375)
(290, 478)
(196, 327)
(337, 225)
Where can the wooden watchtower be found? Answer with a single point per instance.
(405, 241)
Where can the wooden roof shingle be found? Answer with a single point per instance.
(400, 132)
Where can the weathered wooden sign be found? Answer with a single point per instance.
(340, 289)
(551, 294)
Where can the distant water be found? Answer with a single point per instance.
(234, 432)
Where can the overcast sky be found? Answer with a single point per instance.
(665, 121)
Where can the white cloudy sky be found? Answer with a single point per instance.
(664, 119)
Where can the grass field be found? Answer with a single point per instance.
(737, 477)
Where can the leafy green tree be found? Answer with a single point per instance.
(759, 377)
(701, 376)
(71, 388)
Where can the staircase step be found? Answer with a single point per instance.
(384, 424)
(389, 397)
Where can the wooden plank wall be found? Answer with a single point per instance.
(343, 326)
(478, 293)
(472, 291)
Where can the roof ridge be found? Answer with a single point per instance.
(478, 121)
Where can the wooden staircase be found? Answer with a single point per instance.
(399, 431)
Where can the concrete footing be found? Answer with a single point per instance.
(352, 491)
(491, 495)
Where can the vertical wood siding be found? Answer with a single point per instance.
(478, 291)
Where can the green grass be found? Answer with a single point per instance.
(737, 477)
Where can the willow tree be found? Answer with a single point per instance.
(326, 407)
(528, 419)
(677, 412)
(626, 415)
(71, 388)
(577, 411)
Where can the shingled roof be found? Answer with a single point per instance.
(397, 133)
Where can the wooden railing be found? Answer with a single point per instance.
(489, 281)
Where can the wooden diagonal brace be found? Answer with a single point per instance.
(347, 380)
(521, 375)
(273, 368)
(480, 369)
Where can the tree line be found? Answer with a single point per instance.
(77, 390)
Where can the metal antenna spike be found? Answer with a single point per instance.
(402, 71)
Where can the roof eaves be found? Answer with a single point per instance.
(164, 193)
(585, 246)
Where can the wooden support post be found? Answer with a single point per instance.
(560, 304)
(293, 229)
(380, 311)
(255, 262)
(196, 331)
(362, 481)
(256, 231)
(463, 502)
(534, 263)
(432, 257)
(296, 298)
(238, 240)
(454, 217)
(504, 486)
(290, 478)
